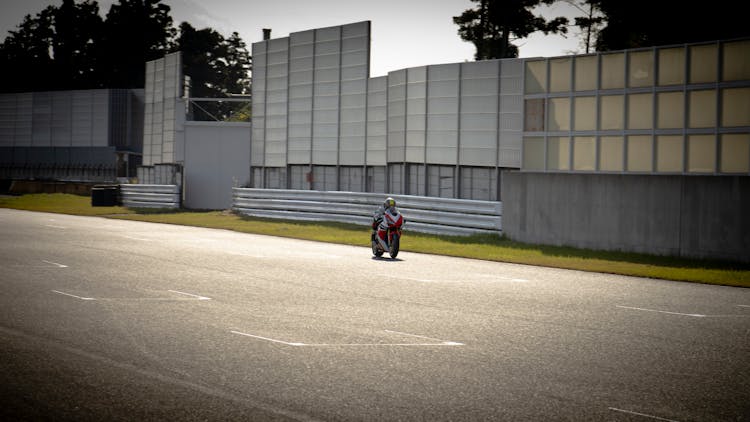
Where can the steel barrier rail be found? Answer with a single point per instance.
(423, 214)
(150, 196)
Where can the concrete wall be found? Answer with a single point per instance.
(216, 160)
(691, 216)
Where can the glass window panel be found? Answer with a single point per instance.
(735, 153)
(534, 115)
(536, 77)
(584, 153)
(586, 73)
(558, 153)
(640, 153)
(703, 63)
(669, 154)
(613, 71)
(640, 111)
(585, 113)
(559, 114)
(672, 66)
(701, 153)
(533, 153)
(671, 110)
(702, 108)
(611, 157)
(612, 112)
(641, 69)
(560, 74)
(736, 64)
(735, 107)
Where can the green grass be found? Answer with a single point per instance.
(485, 247)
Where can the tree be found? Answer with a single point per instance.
(647, 23)
(135, 31)
(25, 54)
(77, 27)
(217, 67)
(495, 24)
(590, 23)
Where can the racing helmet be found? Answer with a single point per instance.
(389, 202)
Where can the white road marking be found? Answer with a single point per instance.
(138, 238)
(297, 344)
(641, 414)
(192, 295)
(744, 306)
(492, 277)
(55, 264)
(662, 312)
(71, 295)
(54, 226)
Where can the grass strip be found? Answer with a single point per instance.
(484, 247)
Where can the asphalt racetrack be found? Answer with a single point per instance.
(112, 320)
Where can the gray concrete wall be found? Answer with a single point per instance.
(691, 216)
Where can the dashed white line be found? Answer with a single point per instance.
(642, 414)
(744, 306)
(297, 344)
(662, 312)
(54, 226)
(55, 264)
(72, 295)
(138, 238)
(192, 295)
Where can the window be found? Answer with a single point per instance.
(558, 153)
(641, 69)
(586, 73)
(735, 153)
(611, 150)
(702, 106)
(611, 112)
(669, 154)
(560, 75)
(640, 111)
(585, 113)
(613, 71)
(672, 66)
(536, 77)
(534, 115)
(736, 63)
(703, 63)
(533, 153)
(640, 153)
(671, 110)
(584, 153)
(735, 107)
(701, 153)
(558, 118)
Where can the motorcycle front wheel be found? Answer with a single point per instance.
(394, 246)
(375, 248)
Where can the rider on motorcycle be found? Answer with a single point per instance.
(389, 206)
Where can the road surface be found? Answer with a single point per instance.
(104, 319)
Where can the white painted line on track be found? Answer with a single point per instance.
(55, 264)
(297, 344)
(138, 238)
(744, 306)
(54, 226)
(267, 339)
(661, 312)
(192, 295)
(71, 295)
(641, 414)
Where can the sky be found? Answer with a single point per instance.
(404, 33)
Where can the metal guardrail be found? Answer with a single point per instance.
(423, 214)
(150, 196)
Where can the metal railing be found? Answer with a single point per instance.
(422, 214)
(150, 196)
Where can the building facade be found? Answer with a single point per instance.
(320, 122)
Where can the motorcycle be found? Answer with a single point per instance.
(387, 236)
